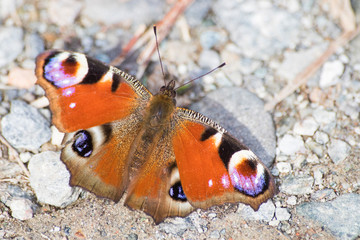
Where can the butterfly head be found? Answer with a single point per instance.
(168, 90)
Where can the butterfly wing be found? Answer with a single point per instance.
(84, 92)
(101, 109)
(214, 167)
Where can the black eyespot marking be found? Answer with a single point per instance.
(83, 144)
(208, 133)
(116, 82)
(176, 192)
(226, 149)
(97, 69)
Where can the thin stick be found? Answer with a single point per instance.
(309, 71)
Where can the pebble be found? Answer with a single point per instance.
(19, 201)
(297, 61)
(290, 144)
(283, 167)
(209, 59)
(323, 194)
(111, 12)
(211, 38)
(50, 180)
(307, 127)
(260, 30)
(315, 148)
(34, 45)
(291, 200)
(8, 7)
(69, 11)
(321, 137)
(25, 127)
(341, 216)
(282, 214)
(21, 208)
(176, 227)
(297, 185)
(338, 150)
(242, 114)
(25, 156)
(9, 169)
(330, 74)
(265, 212)
(11, 44)
(318, 176)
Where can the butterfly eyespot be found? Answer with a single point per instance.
(176, 192)
(83, 144)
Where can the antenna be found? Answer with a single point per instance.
(158, 51)
(220, 66)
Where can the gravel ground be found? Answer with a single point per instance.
(310, 141)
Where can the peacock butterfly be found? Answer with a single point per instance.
(120, 137)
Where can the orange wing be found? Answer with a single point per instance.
(83, 92)
(214, 167)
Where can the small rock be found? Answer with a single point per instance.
(176, 227)
(9, 169)
(318, 175)
(25, 127)
(321, 137)
(8, 7)
(214, 234)
(297, 185)
(34, 45)
(209, 59)
(315, 147)
(291, 200)
(284, 167)
(282, 214)
(11, 44)
(290, 145)
(211, 38)
(69, 11)
(331, 73)
(307, 127)
(25, 156)
(265, 213)
(21, 208)
(338, 150)
(21, 78)
(324, 117)
(50, 180)
(323, 194)
(341, 216)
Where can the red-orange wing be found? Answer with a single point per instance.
(214, 167)
(84, 92)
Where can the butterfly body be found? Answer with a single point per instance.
(120, 137)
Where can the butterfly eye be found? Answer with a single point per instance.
(83, 143)
(176, 192)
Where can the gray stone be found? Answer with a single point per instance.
(9, 169)
(282, 214)
(341, 216)
(290, 145)
(8, 7)
(283, 167)
(21, 208)
(338, 150)
(25, 127)
(209, 59)
(265, 212)
(297, 61)
(306, 127)
(50, 180)
(34, 45)
(11, 44)
(323, 194)
(111, 12)
(70, 9)
(210, 39)
(176, 227)
(331, 73)
(262, 29)
(297, 185)
(242, 114)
